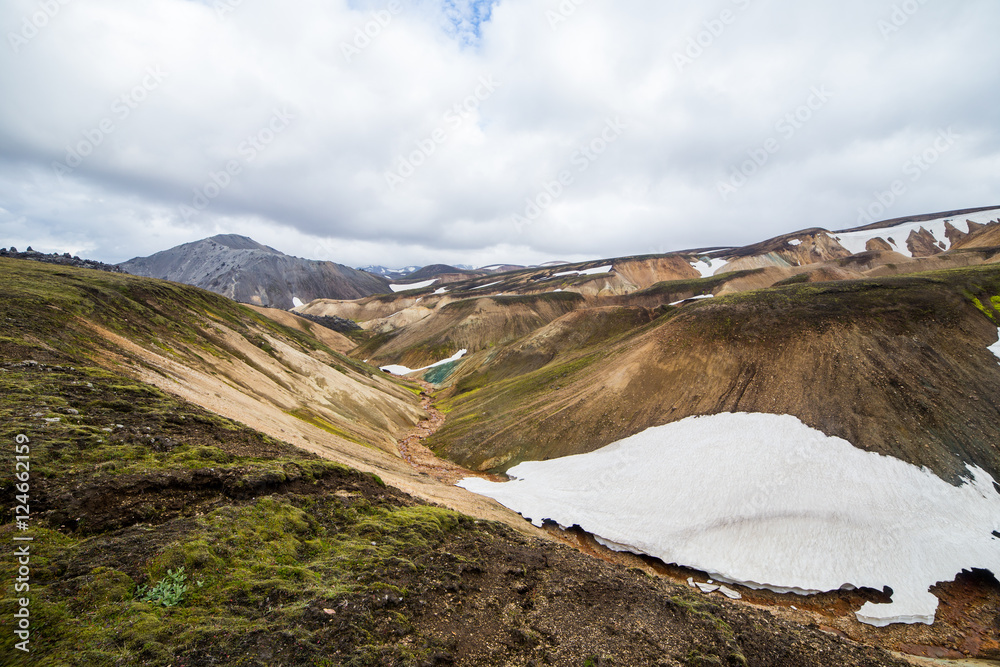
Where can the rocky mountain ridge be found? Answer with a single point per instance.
(246, 271)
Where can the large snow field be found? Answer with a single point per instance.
(855, 242)
(403, 370)
(765, 501)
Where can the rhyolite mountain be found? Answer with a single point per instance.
(249, 272)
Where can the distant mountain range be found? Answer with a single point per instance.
(242, 269)
(390, 274)
(408, 271)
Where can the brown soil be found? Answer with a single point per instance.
(422, 459)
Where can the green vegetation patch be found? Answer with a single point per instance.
(164, 535)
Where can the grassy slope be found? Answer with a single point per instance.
(196, 328)
(895, 365)
(291, 560)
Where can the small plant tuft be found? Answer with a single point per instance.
(168, 591)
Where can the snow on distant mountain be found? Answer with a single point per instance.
(501, 268)
(391, 274)
(908, 237)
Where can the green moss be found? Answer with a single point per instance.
(319, 422)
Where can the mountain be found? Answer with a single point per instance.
(453, 273)
(789, 369)
(807, 425)
(389, 274)
(212, 483)
(249, 272)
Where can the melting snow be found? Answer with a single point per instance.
(765, 501)
(694, 298)
(403, 370)
(406, 288)
(794, 242)
(708, 267)
(297, 302)
(856, 242)
(995, 349)
(586, 272)
(488, 285)
(441, 290)
(730, 593)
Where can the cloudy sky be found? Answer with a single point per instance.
(475, 131)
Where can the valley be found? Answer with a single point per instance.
(321, 507)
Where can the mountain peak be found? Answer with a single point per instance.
(238, 242)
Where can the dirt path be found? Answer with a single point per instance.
(421, 458)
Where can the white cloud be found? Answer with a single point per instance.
(321, 182)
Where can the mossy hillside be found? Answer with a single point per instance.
(266, 569)
(262, 559)
(43, 302)
(97, 431)
(673, 290)
(901, 304)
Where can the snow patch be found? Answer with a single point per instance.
(403, 370)
(412, 286)
(297, 302)
(794, 242)
(708, 267)
(585, 272)
(730, 593)
(767, 502)
(441, 290)
(995, 349)
(694, 298)
(488, 285)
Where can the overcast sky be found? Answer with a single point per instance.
(468, 131)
